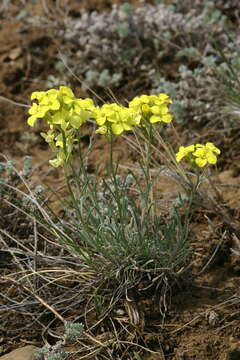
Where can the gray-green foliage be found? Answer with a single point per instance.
(127, 9)
(72, 330)
(153, 31)
(9, 175)
(228, 74)
(11, 178)
(7, 168)
(102, 79)
(57, 351)
(115, 227)
(155, 47)
(187, 93)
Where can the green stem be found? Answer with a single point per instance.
(66, 175)
(117, 194)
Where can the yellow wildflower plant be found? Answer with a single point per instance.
(198, 154)
(153, 108)
(206, 154)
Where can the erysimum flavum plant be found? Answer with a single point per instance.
(115, 227)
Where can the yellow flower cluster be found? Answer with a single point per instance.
(59, 107)
(115, 118)
(199, 154)
(153, 108)
(65, 114)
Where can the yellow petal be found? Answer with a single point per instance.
(211, 158)
(156, 110)
(200, 162)
(117, 129)
(66, 90)
(212, 147)
(31, 120)
(167, 118)
(154, 119)
(145, 108)
(33, 109)
(144, 98)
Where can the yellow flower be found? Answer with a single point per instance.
(83, 104)
(144, 99)
(36, 112)
(115, 118)
(152, 107)
(64, 114)
(104, 113)
(206, 154)
(50, 100)
(37, 95)
(184, 151)
(67, 94)
(160, 113)
(124, 121)
(199, 155)
(60, 107)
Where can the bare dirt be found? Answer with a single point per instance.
(204, 319)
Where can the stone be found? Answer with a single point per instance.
(23, 353)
